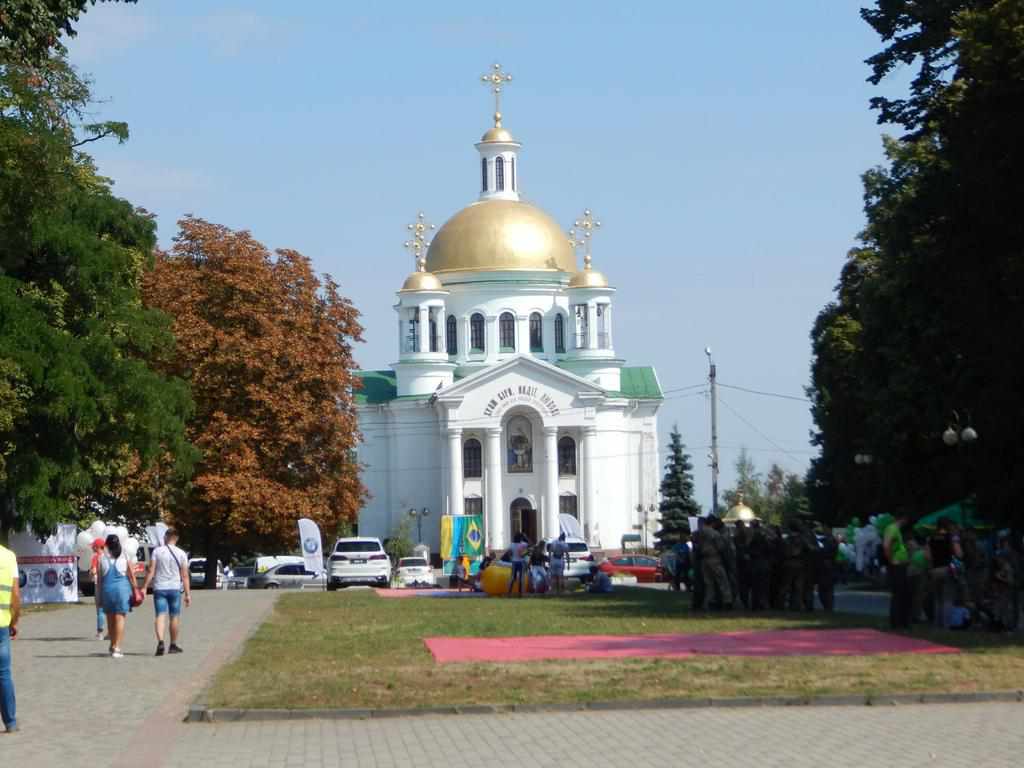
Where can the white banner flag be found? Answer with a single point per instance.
(309, 542)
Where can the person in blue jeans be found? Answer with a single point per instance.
(94, 569)
(168, 573)
(519, 548)
(10, 611)
(114, 588)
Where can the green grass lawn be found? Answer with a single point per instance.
(354, 649)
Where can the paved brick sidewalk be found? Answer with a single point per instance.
(74, 700)
(975, 735)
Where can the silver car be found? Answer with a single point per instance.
(287, 576)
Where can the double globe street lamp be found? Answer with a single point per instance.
(963, 437)
(418, 515)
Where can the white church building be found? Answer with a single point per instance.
(509, 398)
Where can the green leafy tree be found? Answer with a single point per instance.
(400, 544)
(935, 302)
(677, 502)
(31, 29)
(749, 483)
(75, 339)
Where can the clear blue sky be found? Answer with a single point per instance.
(720, 143)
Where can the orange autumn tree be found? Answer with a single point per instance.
(266, 347)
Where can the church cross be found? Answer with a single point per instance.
(585, 226)
(494, 80)
(419, 243)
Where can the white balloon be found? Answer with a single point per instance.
(122, 535)
(84, 558)
(84, 540)
(131, 548)
(98, 529)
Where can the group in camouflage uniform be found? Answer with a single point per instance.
(762, 567)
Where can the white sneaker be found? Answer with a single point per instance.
(116, 654)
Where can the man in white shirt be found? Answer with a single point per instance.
(168, 573)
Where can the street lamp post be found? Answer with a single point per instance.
(418, 516)
(956, 436)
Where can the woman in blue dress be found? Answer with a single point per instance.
(116, 592)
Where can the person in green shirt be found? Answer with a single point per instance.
(897, 562)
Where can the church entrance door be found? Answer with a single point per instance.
(523, 519)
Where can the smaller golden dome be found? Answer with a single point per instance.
(739, 513)
(497, 134)
(588, 278)
(422, 281)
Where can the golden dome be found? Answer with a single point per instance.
(739, 513)
(492, 235)
(588, 278)
(422, 281)
(497, 134)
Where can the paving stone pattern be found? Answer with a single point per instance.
(74, 700)
(975, 735)
(76, 706)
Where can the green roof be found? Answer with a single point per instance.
(640, 383)
(378, 387)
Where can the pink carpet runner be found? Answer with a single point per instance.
(779, 642)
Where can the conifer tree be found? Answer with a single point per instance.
(677, 502)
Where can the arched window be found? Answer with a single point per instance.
(567, 505)
(499, 173)
(435, 339)
(483, 173)
(559, 334)
(451, 335)
(519, 445)
(514, 187)
(536, 333)
(507, 332)
(472, 458)
(566, 456)
(476, 333)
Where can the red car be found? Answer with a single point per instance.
(644, 567)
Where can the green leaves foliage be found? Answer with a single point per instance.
(930, 308)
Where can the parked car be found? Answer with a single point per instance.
(580, 559)
(197, 572)
(287, 576)
(415, 572)
(359, 560)
(238, 578)
(644, 567)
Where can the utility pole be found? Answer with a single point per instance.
(714, 431)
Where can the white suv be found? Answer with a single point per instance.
(580, 559)
(359, 560)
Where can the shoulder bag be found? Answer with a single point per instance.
(138, 596)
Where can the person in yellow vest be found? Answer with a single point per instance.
(10, 610)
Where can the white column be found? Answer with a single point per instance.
(588, 514)
(608, 324)
(491, 341)
(591, 325)
(550, 527)
(424, 329)
(493, 506)
(455, 489)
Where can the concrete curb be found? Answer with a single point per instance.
(199, 713)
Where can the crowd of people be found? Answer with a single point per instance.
(756, 566)
(952, 577)
(949, 578)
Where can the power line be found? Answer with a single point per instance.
(759, 432)
(764, 394)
